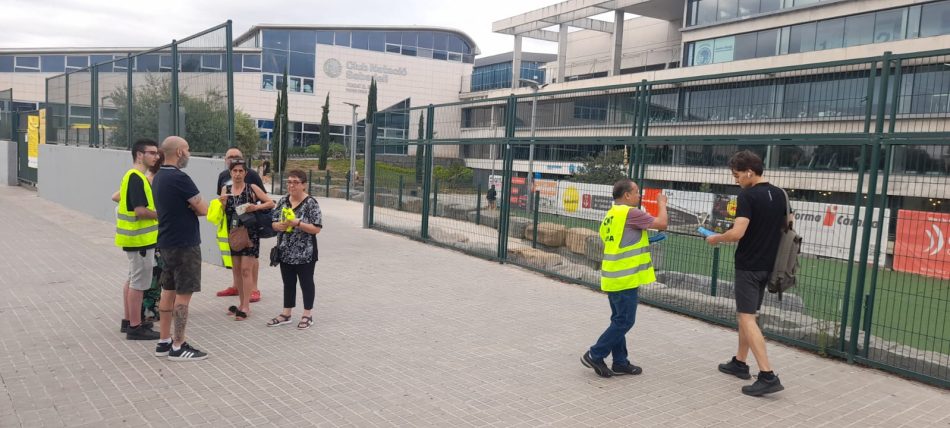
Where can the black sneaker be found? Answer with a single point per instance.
(186, 353)
(125, 325)
(162, 349)
(626, 369)
(735, 368)
(763, 386)
(598, 365)
(142, 332)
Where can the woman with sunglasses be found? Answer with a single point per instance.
(298, 220)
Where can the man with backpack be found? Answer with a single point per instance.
(758, 228)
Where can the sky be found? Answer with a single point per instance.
(138, 23)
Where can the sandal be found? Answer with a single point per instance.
(279, 320)
(240, 315)
(305, 323)
(232, 310)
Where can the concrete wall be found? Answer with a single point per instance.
(8, 163)
(84, 179)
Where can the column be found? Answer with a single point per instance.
(561, 52)
(616, 45)
(516, 63)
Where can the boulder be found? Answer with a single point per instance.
(517, 226)
(487, 218)
(549, 234)
(535, 258)
(576, 240)
(595, 248)
(458, 211)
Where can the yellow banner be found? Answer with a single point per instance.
(33, 140)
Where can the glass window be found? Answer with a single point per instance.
(392, 48)
(308, 86)
(440, 41)
(325, 37)
(6, 64)
(341, 38)
(252, 62)
(727, 9)
(745, 46)
(267, 82)
(423, 52)
(425, 39)
(142, 63)
(302, 64)
(767, 43)
(723, 49)
(409, 50)
(455, 57)
(859, 30)
(76, 62)
(27, 63)
(394, 37)
(274, 61)
(795, 102)
(53, 63)
(443, 55)
(276, 39)
(188, 63)
(931, 90)
(99, 59)
(456, 44)
(236, 61)
(804, 2)
(294, 84)
(211, 62)
(706, 12)
(377, 41)
(303, 41)
(360, 40)
(913, 22)
(770, 5)
(409, 38)
(165, 63)
(889, 25)
(829, 34)
(121, 63)
(748, 7)
(935, 19)
(802, 38)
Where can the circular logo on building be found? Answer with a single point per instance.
(332, 68)
(703, 55)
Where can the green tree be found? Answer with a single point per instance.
(371, 102)
(602, 168)
(246, 134)
(420, 149)
(280, 142)
(324, 135)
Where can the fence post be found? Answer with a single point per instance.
(435, 198)
(869, 207)
(348, 186)
(129, 99)
(67, 112)
(427, 171)
(869, 309)
(94, 106)
(399, 201)
(846, 301)
(309, 179)
(714, 277)
(478, 205)
(537, 203)
(634, 132)
(328, 184)
(506, 175)
(229, 53)
(174, 108)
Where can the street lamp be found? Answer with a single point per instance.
(535, 86)
(352, 182)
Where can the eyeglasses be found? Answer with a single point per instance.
(294, 182)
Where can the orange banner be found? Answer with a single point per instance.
(648, 201)
(923, 243)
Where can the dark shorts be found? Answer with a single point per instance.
(182, 273)
(750, 290)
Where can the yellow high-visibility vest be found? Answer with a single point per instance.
(217, 216)
(131, 231)
(623, 267)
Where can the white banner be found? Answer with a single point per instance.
(826, 229)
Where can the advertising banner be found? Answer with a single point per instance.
(32, 140)
(826, 229)
(923, 243)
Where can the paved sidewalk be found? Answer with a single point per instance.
(406, 334)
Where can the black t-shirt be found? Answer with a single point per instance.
(177, 223)
(764, 206)
(135, 197)
(251, 178)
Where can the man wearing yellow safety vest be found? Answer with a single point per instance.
(136, 232)
(625, 267)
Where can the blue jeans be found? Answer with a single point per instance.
(623, 313)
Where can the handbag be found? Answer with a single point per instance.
(238, 238)
(275, 252)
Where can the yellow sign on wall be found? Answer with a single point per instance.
(33, 140)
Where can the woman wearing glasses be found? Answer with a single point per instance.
(298, 220)
(238, 198)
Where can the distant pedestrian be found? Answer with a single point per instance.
(760, 216)
(298, 220)
(179, 204)
(625, 267)
(491, 197)
(224, 179)
(137, 235)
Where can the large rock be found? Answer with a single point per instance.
(410, 203)
(517, 226)
(458, 211)
(595, 248)
(576, 240)
(486, 218)
(702, 284)
(549, 234)
(385, 200)
(577, 272)
(446, 236)
(535, 258)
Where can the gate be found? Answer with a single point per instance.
(28, 140)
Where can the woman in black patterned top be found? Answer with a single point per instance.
(297, 243)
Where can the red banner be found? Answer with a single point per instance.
(923, 243)
(648, 201)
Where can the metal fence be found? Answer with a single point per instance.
(862, 146)
(184, 88)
